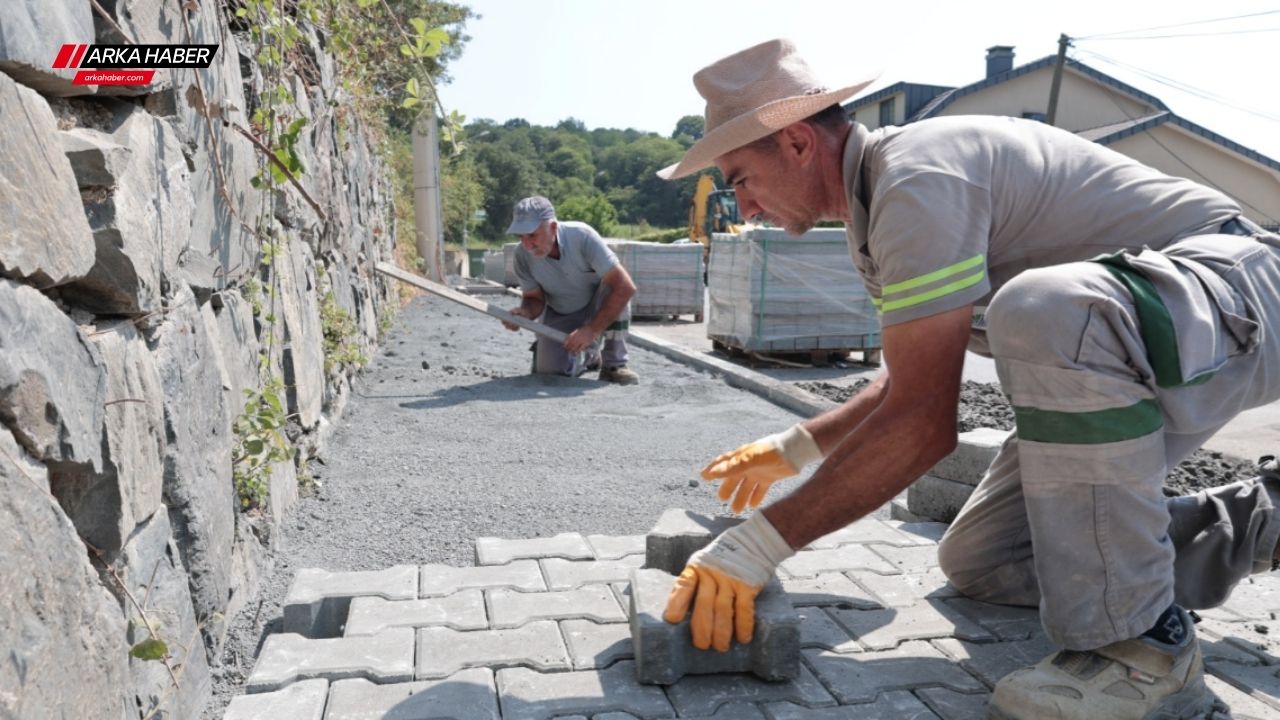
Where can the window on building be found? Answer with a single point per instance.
(886, 112)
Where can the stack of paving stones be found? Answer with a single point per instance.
(537, 631)
(939, 495)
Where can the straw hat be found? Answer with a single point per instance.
(751, 94)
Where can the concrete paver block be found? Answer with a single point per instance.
(1239, 642)
(909, 588)
(463, 610)
(898, 705)
(592, 645)
(991, 661)
(925, 533)
(1261, 681)
(466, 695)
(898, 512)
(866, 530)
(819, 630)
(531, 695)
(614, 547)
(860, 678)
(926, 620)
(299, 701)
(439, 580)
(665, 652)
(570, 574)
(1006, 622)
(1243, 706)
(974, 452)
(704, 694)
(318, 600)
(811, 563)
(951, 705)
(1256, 597)
(287, 657)
(916, 558)
(680, 533)
(829, 590)
(498, 551)
(442, 652)
(937, 499)
(509, 608)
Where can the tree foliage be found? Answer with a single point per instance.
(601, 176)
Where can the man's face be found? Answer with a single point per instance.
(771, 185)
(540, 242)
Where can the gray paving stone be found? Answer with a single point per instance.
(811, 563)
(937, 499)
(898, 512)
(1243, 706)
(907, 589)
(287, 657)
(529, 695)
(828, 590)
(592, 645)
(442, 652)
(466, 695)
(1004, 621)
(318, 600)
(925, 533)
(440, 580)
(866, 530)
(462, 610)
(508, 608)
(897, 705)
(705, 694)
(299, 701)
(499, 551)
(992, 661)
(732, 711)
(680, 533)
(915, 559)
(614, 547)
(862, 677)
(665, 652)
(1261, 682)
(927, 619)
(951, 705)
(973, 455)
(570, 574)
(1240, 641)
(818, 630)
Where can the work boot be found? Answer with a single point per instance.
(619, 374)
(1140, 679)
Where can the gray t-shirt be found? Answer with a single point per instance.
(570, 281)
(947, 210)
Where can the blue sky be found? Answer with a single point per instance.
(629, 64)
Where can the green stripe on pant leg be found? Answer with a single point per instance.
(1088, 428)
(619, 325)
(1155, 323)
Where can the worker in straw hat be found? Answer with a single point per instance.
(1130, 315)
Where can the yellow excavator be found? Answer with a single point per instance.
(712, 211)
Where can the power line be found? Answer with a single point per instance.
(1177, 25)
(1182, 35)
(1182, 87)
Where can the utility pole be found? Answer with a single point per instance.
(427, 214)
(1063, 43)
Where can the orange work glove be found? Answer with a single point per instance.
(752, 468)
(722, 581)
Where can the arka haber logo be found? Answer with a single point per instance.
(129, 64)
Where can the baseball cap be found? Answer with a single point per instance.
(529, 214)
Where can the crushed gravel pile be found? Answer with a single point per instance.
(984, 405)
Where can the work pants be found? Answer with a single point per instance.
(1117, 371)
(610, 349)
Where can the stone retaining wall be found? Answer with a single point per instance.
(128, 335)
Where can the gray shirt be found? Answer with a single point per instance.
(571, 280)
(945, 211)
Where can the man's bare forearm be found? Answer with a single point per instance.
(833, 426)
(532, 307)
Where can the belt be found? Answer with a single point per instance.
(1239, 226)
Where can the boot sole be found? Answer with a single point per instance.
(1190, 703)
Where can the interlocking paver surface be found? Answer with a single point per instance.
(883, 636)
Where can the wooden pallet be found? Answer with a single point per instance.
(805, 358)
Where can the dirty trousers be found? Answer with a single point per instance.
(1117, 370)
(611, 349)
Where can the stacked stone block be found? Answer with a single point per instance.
(938, 495)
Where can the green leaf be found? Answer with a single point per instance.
(409, 102)
(253, 446)
(411, 87)
(242, 12)
(406, 51)
(150, 649)
(419, 24)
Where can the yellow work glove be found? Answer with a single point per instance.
(722, 581)
(752, 468)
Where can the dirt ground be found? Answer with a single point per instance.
(983, 405)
